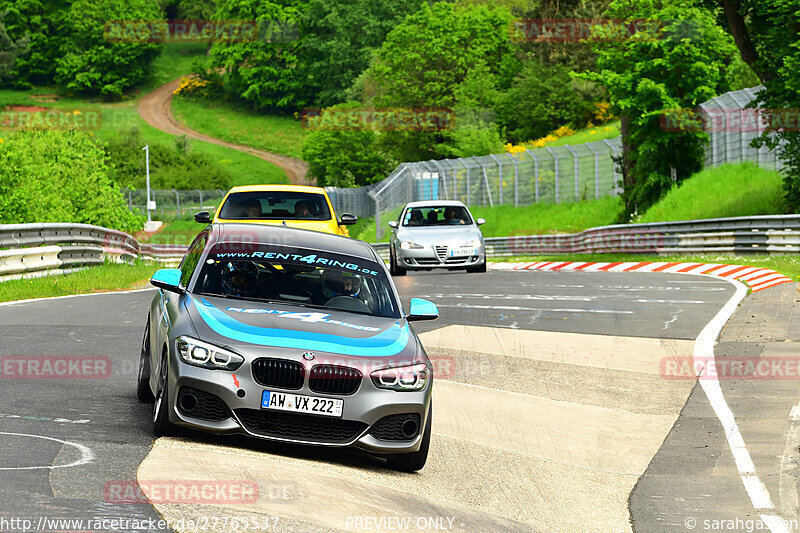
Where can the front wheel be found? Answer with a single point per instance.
(162, 427)
(481, 268)
(395, 270)
(411, 462)
(143, 391)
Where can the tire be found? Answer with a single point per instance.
(477, 269)
(411, 462)
(395, 270)
(143, 391)
(162, 427)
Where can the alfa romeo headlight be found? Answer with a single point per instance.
(408, 245)
(205, 355)
(403, 378)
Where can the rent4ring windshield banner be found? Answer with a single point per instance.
(293, 256)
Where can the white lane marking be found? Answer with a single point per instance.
(87, 455)
(514, 308)
(32, 300)
(704, 354)
(548, 298)
(45, 419)
(787, 482)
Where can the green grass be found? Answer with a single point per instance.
(788, 265)
(608, 130)
(122, 116)
(108, 277)
(176, 60)
(176, 232)
(726, 191)
(237, 124)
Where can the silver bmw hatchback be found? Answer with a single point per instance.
(436, 234)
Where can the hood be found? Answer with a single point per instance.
(285, 326)
(454, 235)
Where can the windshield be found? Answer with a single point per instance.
(268, 205)
(450, 215)
(297, 277)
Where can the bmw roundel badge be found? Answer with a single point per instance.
(308, 356)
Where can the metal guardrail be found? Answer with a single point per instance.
(34, 248)
(774, 234)
(27, 249)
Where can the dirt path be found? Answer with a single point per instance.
(154, 108)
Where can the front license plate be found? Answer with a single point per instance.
(297, 403)
(459, 252)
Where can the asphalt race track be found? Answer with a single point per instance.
(551, 414)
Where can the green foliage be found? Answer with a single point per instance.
(10, 50)
(773, 26)
(338, 40)
(60, 176)
(672, 65)
(264, 71)
(543, 98)
(89, 62)
(345, 157)
(40, 21)
(171, 166)
(737, 190)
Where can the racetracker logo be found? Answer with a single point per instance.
(731, 368)
(581, 30)
(736, 120)
(181, 491)
(56, 367)
(23, 117)
(199, 31)
(371, 119)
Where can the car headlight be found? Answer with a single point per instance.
(472, 243)
(403, 378)
(205, 355)
(408, 245)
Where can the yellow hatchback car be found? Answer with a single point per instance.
(298, 206)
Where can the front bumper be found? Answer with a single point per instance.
(439, 257)
(243, 413)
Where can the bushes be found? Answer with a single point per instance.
(60, 176)
(67, 44)
(171, 166)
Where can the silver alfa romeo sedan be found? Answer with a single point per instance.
(436, 234)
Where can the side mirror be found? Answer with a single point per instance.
(348, 219)
(480, 222)
(168, 279)
(422, 310)
(393, 224)
(203, 217)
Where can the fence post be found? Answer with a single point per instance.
(596, 170)
(499, 176)
(516, 179)
(613, 164)
(443, 179)
(575, 165)
(555, 164)
(467, 168)
(201, 198)
(178, 212)
(535, 174)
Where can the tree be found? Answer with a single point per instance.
(342, 156)
(338, 40)
(91, 63)
(41, 22)
(10, 50)
(60, 176)
(678, 61)
(767, 34)
(264, 71)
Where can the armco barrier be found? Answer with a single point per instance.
(27, 248)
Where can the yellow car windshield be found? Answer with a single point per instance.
(283, 205)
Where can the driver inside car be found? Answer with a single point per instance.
(336, 283)
(239, 278)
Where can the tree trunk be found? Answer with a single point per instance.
(741, 36)
(626, 165)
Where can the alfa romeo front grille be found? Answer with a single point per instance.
(441, 252)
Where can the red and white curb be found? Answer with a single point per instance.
(756, 278)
